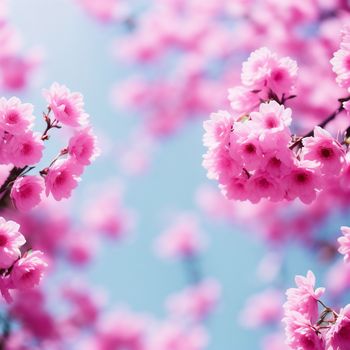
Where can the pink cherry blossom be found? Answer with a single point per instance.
(182, 239)
(67, 106)
(15, 117)
(303, 299)
(341, 60)
(26, 192)
(264, 69)
(10, 242)
(344, 243)
(122, 329)
(82, 146)
(62, 177)
(24, 149)
(303, 182)
(196, 302)
(338, 336)
(172, 336)
(28, 271)
(323, 148)
(218, 129)
(262, 309)
(303, 335)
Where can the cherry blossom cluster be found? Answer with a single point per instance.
(105, 10)
(254, 155)
(306, 327)
(341, 63)
(344, 243)
(18, 271)
(22, 148)
(16, 67)
(189, 87)
(264, 76)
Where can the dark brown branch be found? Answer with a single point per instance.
(323, 124)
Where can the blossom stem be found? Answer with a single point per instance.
(193, 270)
(323, 124)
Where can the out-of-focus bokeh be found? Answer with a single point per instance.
(149, 169)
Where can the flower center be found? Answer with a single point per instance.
(250, 148)
(326, 152)
(3, 240)
(12, 117)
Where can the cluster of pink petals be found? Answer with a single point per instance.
(308, 329)
(16, 67)
(63, 175)
(121, 329)
(301, 314)
(264, 72)
(27, 191)
(196, 302)
(344, 243)
(341, 60)
(252, 156)
(17, 271)
(112, 219)
(174, 336)
(85, 305)
(104, 10)
(20, 146)
(183, 239)
(262, 309)
(67, 106)
(341, 63)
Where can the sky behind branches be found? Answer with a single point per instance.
(78, 54)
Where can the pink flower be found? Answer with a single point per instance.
(220, 165)
(257, 68)
(15, 117)
(345, 243)
(262, 309)
(323, 148)
(67, 106)
(86, 304)
(243, 100)
(262, 185)
(104, 10)
(24, 149)
(272, 117)
(302, 335)
(10, 242)
(82, 146)
(338, 278)
(28, 271)
(264, 69)
(218, 129)
(341, 60)
(304, 298)
(197, 301)
(272, 121)
(250, 150)
(274, 342)
(182, 239)
(338, 336)
(122, 329)
(62, 177)
(236, 188)
(172, 336)
(26, 192)
(302, 182)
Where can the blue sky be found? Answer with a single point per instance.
(78, 55)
